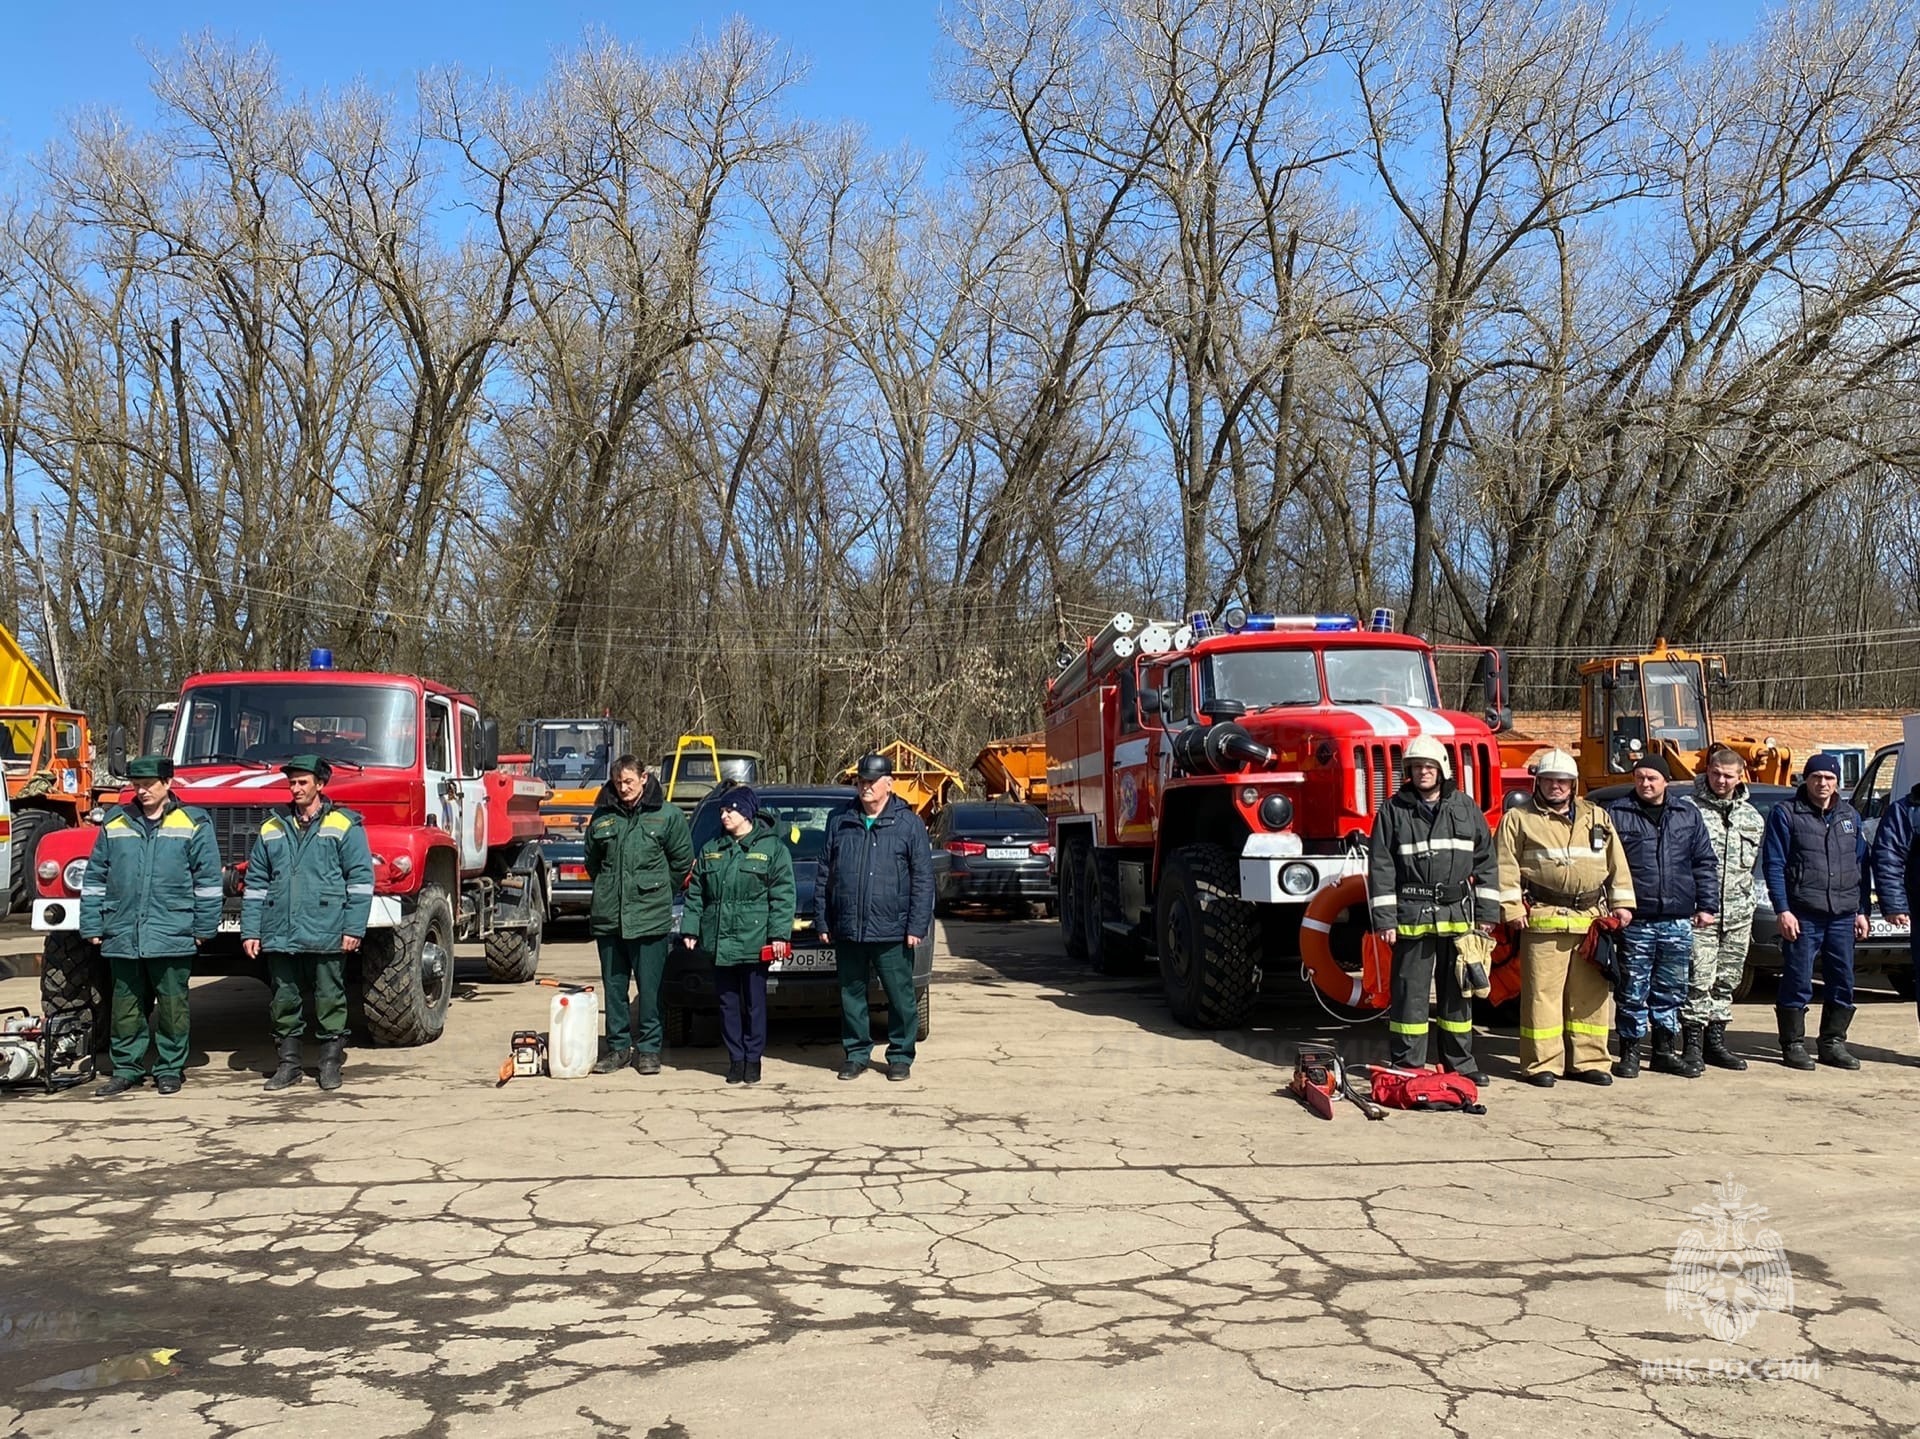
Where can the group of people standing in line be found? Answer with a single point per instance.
(1643, 906)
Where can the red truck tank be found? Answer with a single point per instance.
(1211, 790)
(455, 838)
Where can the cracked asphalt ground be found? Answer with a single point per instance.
(1076, 1219)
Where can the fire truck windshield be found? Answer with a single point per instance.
(1379, 677)
(267, 723)
(1262, 677)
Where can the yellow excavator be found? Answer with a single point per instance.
(1656, 702)
(46, 749)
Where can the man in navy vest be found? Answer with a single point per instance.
(1814, 857)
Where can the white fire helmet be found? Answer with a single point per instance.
(1556, 764)
(1428, 748)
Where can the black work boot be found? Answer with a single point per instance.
(1716, 1052)
(613, 1061)
(1793, 1037)
(647, 1061)
(1692, 1037)
(288, 1074)
(117, 1085)
(753, 1071)
(1627, 1066)
(737, 1072)
(333, 1053)
(1666, 1059)
(1833, 1037)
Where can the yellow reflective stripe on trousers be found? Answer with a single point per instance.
(1443, 926)
(1456, 1026)
(1578, 1028)
(1398, 1028)
(1568, 923)
(1557, 1032)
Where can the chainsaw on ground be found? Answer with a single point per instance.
(1320, 1082)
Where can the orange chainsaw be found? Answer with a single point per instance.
(1320, 1082)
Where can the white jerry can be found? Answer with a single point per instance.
(573, 1034)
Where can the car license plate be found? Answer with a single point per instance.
(229, 924)
(1008, 853)
(803, 961)
(1882, 928)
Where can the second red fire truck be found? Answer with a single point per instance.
(1212, 787)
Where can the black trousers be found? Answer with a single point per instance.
(1418, 964)
(743, 1010)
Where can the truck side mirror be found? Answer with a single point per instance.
(1500, 719)
(1607, 681)
(489, 745)
(117, 751)
(1151, 701)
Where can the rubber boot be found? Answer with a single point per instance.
(1793, 1038)
(1833, 1037)
(1627, 1066)
(333, 1054)
(1716, 1053)
(1693, 1062)
(288, 1074)
(1666, 1059)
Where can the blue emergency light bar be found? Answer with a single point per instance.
(1239, 621)
(319, 659)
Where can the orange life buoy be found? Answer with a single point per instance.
(1371, 988)
(1365, 990)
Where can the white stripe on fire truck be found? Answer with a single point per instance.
(1384, 723)
(1426, 721)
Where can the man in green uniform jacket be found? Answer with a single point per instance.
(151, 897)
(741, 901)
(309, 893)
(639, 851)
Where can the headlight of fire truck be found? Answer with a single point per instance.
(1297, 879)
(1276, 811)
(74, 875)
(47, 870)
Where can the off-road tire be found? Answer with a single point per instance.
(75, 979)
(1107, 953)
(30, 826)
(513, 955)
(1206, 936)
(1073, 935)
(400, 1012)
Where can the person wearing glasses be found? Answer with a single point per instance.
(874, 904)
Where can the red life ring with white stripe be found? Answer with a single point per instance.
(1367, 990)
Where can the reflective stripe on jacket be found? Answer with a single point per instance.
(309, 886)
(152, 887)
(1560, 871)
(1431, 871)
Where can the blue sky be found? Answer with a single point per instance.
(869, 62)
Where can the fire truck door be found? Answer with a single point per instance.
(1135, 773)
(473, 793)
(445, 810)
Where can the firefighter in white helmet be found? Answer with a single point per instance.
(1431, 882)
(1561, 869)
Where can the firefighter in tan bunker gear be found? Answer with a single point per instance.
(1561, 868)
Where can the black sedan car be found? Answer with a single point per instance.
(569, 891)
(991, 852)
(807, 983)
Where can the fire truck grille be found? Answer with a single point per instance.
(1378, 768)
(235, 827)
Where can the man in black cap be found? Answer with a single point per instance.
(1676, 880)
(309, 893)
(1814, 857)
(150, 898)
(874, 904)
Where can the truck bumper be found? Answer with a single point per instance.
(1273, 871)
(51, 916)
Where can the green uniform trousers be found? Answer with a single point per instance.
(302, 981)
(639, 965)
(142, 987)
(856, 964)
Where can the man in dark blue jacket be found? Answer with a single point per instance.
(1814, 858)
(1676, 879)
(874, 904)
(1896, 864)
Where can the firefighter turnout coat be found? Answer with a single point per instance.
(1560, 871)
(1430, 870)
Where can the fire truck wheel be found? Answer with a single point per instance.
(29, 827)
(514, 954)
(1107, 953)
(407, 973)
(1206, 938)
(1073, 934)
(74, 979)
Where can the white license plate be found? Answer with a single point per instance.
(229, 924)
(804, 961)
(1879, 928)
(1008, 853)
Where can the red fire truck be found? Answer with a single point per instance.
(455, 839)
(1211, 789)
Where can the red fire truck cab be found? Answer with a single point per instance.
(455, 838)
(1208, 783)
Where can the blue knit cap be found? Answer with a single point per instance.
(742, 798)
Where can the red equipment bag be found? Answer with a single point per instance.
(1425, 1089)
